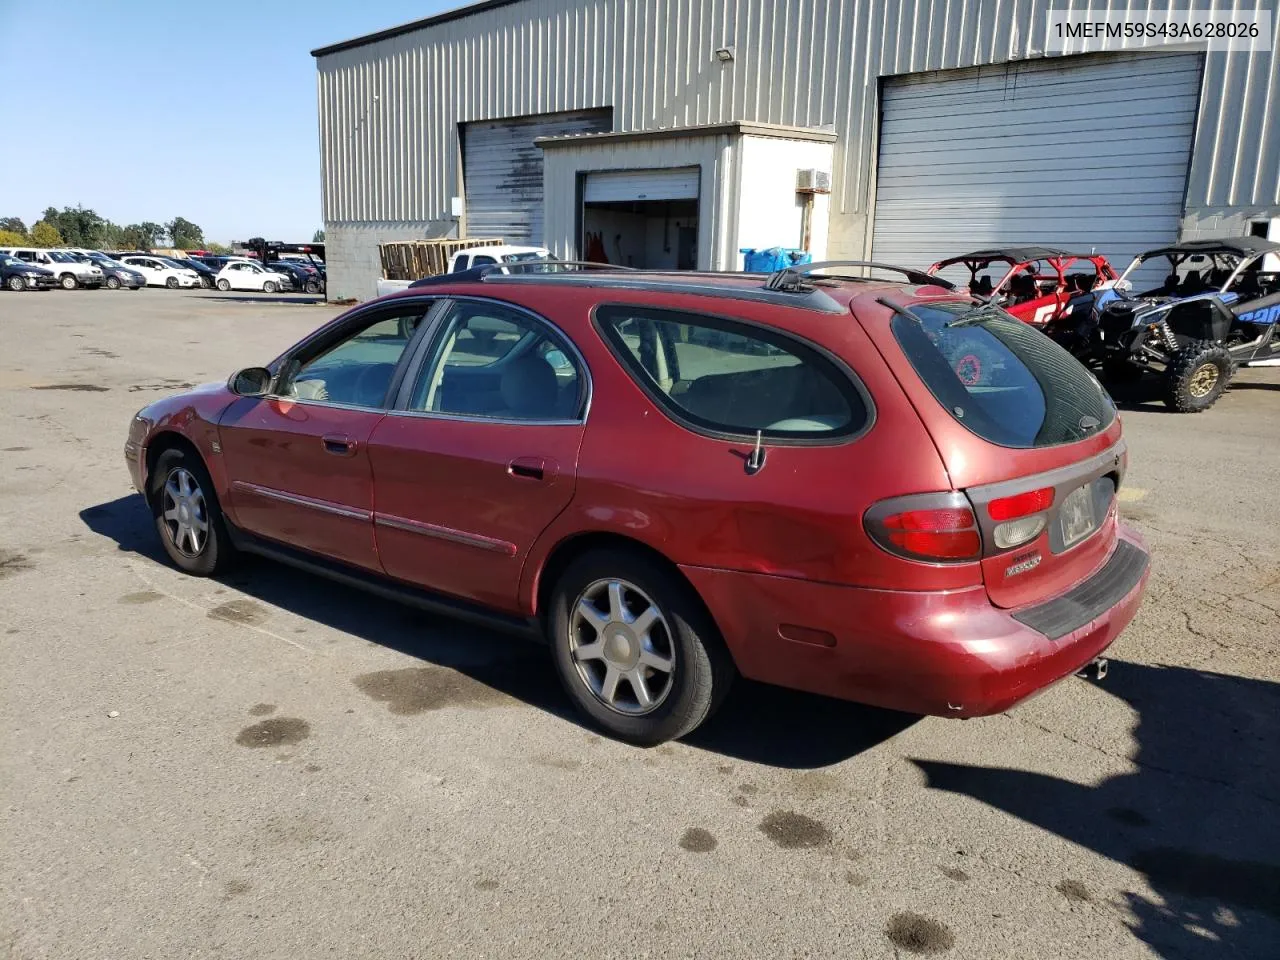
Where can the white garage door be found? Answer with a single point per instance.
(1082, 152)
(612, 186)
(502, 170)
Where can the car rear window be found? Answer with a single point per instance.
(1001, 379)
(725, 377)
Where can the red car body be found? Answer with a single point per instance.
(1036, 284)
(486, 514)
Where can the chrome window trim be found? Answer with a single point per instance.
(297, 500)
(492, 544)
(413, 374)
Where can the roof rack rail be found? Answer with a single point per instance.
(793, 277)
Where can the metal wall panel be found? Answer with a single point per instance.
(1083, 153)
(390, 109)
(502, 171)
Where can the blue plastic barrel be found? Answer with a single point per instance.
(772, 259)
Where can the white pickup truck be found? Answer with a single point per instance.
(475, 257)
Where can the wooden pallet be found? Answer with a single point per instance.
(415, 259)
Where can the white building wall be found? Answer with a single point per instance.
(769, 211)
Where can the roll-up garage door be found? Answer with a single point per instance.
(1078, 152)
(502, 170)
(614, 186)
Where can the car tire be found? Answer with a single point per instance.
(180, 479)
(15, 284)
(269, 287)
(224, 285)
(113, 283)
(68, 281)
(312, 287)
(171, 283)
(1197, 376)
(620, 588)
(206, 283)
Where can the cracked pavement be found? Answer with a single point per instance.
(270, 765)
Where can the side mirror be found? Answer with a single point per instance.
(250, 382)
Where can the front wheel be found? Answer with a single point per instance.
(113, 283)
(171, 283)
(15, 284)
(206, 283)
(187, 515)
(68, 281)
(269, 287)
(1197, 376)
(634, 648)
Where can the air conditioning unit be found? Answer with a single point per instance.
(813, 181)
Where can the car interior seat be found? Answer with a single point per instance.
(1193, 283)
(529, 388)
(1023, 287)
(982, 287)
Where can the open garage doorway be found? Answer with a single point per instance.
(641, 218)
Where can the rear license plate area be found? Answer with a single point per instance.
(1077, 517)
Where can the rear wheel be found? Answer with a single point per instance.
(269, 287)
(172, 283)
(187, 514)
(68, 281)
(1197, 376)
(224, 285)
(634, 648)
(113, 283)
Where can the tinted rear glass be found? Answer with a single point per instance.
(727, 377)
(1003, 380)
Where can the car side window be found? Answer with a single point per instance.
(482, 261)
(728, 377)
(357, 370)
(494, 362)
(461, 263)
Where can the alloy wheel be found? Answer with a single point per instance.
(185, 513)
(621, 645)
(1203, 380)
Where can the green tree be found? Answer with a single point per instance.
(141, 236)
(11, 238)
(221, 249)
(13, 225)
(45, 235)
(184, 234)
(318, 237)
(79, 226)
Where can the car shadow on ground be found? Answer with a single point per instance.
(305, 299)
(1197, 817)
(758, 723)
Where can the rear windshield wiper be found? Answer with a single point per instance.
(977, 315)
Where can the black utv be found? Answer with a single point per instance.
(1218, 307)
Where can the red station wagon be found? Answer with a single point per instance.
(674, 479)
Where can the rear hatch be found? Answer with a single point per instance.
(1024, 430)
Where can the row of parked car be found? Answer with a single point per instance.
(34, 268)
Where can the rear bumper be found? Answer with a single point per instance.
(946, 653)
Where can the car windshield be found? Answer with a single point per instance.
(10, 261)
(1003, 380)
(1181, 274)
(61, 257)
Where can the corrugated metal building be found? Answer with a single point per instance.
(671, 132)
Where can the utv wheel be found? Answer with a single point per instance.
(15, 284)
(224, 285)
(113, 283)
(634, 649)
(269, 287)
(187, 514)
(172, 283)
(1197, 376)
(68, 281)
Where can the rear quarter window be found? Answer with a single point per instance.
(1001, 379)
(725, 377)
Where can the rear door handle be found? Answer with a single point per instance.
(531, 468)
(339, 445)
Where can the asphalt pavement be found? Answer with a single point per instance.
(272, 766)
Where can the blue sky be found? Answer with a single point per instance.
(148, 111)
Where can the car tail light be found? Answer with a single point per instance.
(933, 527)
(1020, 517)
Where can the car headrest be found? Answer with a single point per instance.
(529, 388)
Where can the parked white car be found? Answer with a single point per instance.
(70, 270)
(161, 274)
(476, 257)
(251, 275)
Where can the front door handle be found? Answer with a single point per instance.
(339, 445)
(531, 468)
